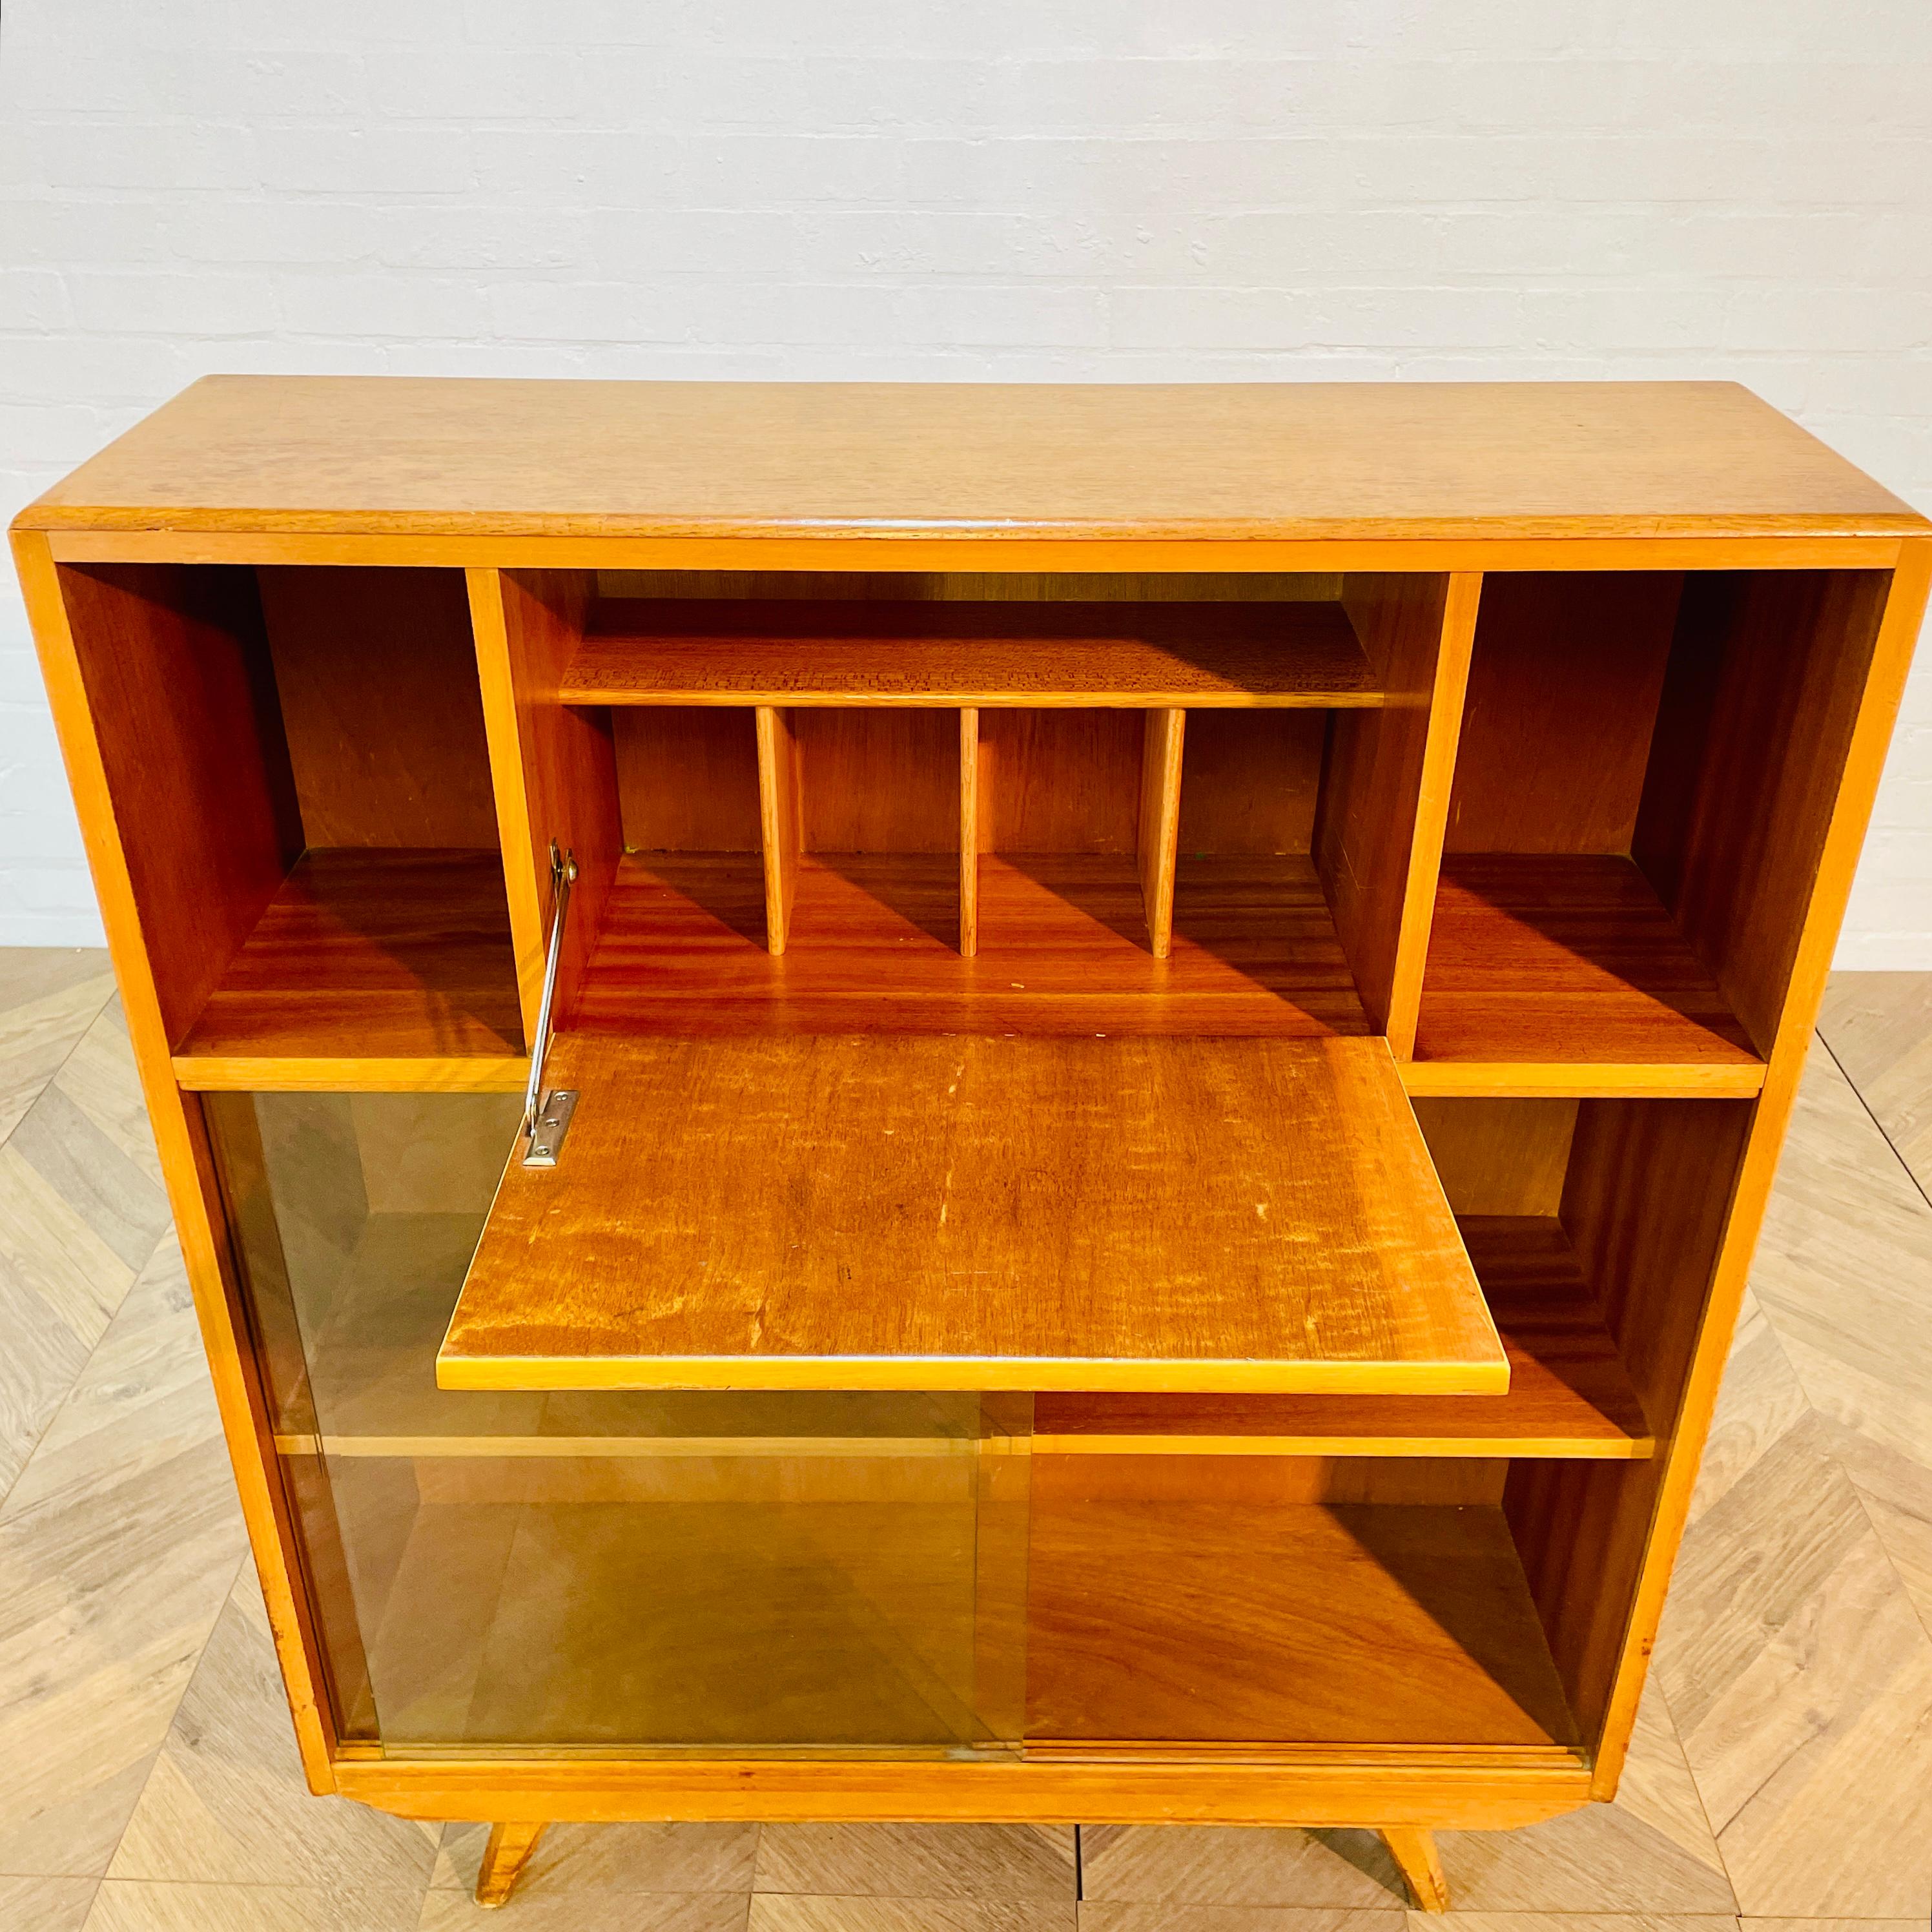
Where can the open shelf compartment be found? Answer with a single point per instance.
(298, 767)
(1056, 843)
(1636, 825)
(1282, 1602)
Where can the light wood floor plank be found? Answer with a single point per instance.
(1879, 1027)
(226, 1802)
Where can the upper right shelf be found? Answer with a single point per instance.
(1644, 776)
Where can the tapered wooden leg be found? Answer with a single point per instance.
(1414, 1850)
(504, 1857)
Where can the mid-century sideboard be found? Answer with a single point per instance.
(969, 1102)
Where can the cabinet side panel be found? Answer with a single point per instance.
(1766, 680)
(176, 672)
(188, 1169)
(377, 673)
(1676, 1469)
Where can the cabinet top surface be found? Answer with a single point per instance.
(429, 456)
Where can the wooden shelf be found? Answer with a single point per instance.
(872, 947)
(373, 967)
(916, 1212)
(1570, 1394)
(1560, 973)
(1239, 1621)
(694, 651)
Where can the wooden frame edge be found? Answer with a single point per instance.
(188, 1172)
(1885, 688)
(1455, 646)
(976, 550)
(502, 734)
(1336, 1789)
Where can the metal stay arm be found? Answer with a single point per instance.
(546, 1116)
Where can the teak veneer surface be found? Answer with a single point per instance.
(371, 952)
(1570, 1394)
(429, 456)
(1237, 1622)
(696, 651)
(923, 1212)
(872, 946)
(1548, 957)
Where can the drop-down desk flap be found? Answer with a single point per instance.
(940, 1211)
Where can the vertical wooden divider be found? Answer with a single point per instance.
(969, 831)
(1379, 828)
(1160, 823)
(777, 820)
(552, 767)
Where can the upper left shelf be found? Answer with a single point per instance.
(298, 772)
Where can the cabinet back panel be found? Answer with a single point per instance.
(1563, 694)
(1250, 780)
(1499, 1157)
(176, 668)
(377, 673)
(687, 779)
(1061, 781)
(978, 586)
(877, 781)
(1397, 1481)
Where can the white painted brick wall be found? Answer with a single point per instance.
(1024, 189)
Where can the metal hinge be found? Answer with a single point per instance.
(546, 1115)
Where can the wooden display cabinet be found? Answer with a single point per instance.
(1180, 1004)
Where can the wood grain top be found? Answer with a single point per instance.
(441, 456)
(921, 1212)
(699, 651)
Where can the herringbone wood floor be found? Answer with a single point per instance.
(1782, 1775)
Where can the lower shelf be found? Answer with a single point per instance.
(370, 967)
(1240, 1622)
(873, 947)
(1556, 972)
